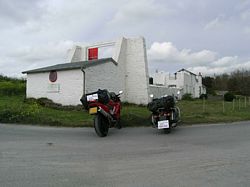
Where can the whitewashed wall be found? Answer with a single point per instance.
(136, 74)
(104, 76)
(67, 90)
(159, 78)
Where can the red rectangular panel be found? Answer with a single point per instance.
(93, 53)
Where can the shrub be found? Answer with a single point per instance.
(12, 88)
(19, 114)
(11, 79)
(45, 102)
(229, 96)
(187, 97)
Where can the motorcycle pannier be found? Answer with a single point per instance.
(103, 97)
(164, 102)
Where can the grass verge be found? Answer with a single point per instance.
(13, 109)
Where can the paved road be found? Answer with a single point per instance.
(210, 155)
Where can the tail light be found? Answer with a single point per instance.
(167, 114)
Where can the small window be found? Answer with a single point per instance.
(53, 76)
(172, 86)
(92, 53)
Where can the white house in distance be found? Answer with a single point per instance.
(183, 81)
(87, 70)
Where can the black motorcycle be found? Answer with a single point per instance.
(165, 114)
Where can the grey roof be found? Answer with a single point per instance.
(72, 65)
(186, 71)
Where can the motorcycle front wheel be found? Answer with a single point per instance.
(101, 125)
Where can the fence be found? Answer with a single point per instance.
(237, 104)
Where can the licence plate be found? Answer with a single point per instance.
(93, 110)
(92, 97)
(163, 124)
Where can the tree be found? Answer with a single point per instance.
(209, 83)
(233, 85)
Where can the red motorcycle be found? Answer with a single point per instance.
(106, 106)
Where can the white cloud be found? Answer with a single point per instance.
(247, 30)
(206, 70)
(225, 61)
(222, 65)
(48, 51)
(211, 70)
(243, 4)
(205, 61)
(215, 23)
(18, 12)
(167, 52)
(138, 12)
(245, 15)
(30, 57)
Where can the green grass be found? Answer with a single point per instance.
(133, 115)
(196, 111)
(35, 114)
(13, 109)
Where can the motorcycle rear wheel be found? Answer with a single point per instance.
(101, 125)
(168, 130)
(118, 124)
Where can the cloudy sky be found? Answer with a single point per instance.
(207, 36)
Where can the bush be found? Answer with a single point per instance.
(187, 97)
(12, 88)
(203, 96)
(11, 79)
(229, 96)
(45, 102)
(19, 114)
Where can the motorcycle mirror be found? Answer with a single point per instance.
(151, 95)
(178, 92)
(120, 92)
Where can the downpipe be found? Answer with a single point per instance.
(84, 81)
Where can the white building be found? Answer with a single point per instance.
(116, 65)
(183, 81)
(126, 69)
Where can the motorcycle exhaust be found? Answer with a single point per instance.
(107, 115)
